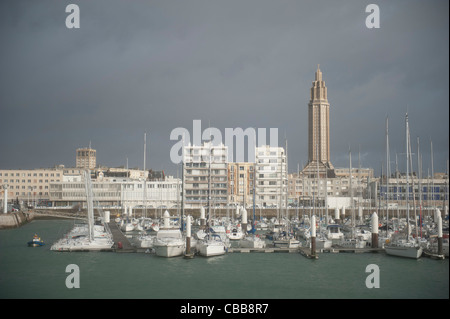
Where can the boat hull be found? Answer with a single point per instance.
(209, 250)
(170, 250)
(323, 243)
(250, 243)
(35, 244)
(408, 252)
(291, 243)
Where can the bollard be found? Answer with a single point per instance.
(374, 230)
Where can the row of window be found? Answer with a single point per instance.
(12, 181)
(29, 193)
(29, 187)
(31, 174)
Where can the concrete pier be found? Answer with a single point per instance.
(14, 220)
(121, 243)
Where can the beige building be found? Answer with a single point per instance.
(306, 190)
(30, 186)
(86, 158)
(318, 129)
(356, 172)
(240, 183)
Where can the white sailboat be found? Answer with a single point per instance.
(322, 242)
(87, 237)
(211, 245)
(403, 248)
(169, 241)
(251, 240)
(334, 233)
(213, 239)
(408, 247)
(285, 240)
(235, 233)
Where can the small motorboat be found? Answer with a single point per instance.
(36, 241)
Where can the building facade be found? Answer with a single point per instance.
(86, 158)
(205, 177)
(31, 186)
(241, 179)
(271, 177)
(118, 192)
(426, 192)
(308, 191)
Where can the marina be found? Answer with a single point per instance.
(286, 274)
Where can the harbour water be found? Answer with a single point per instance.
(38, 272)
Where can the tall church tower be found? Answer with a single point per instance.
(319, 130)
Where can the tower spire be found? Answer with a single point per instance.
(319, 127)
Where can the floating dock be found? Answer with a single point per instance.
(351, 250)
(121, 242)
(262, 250)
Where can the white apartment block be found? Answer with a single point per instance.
(205, 178)
(271, 177)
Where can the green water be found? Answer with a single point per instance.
(37, 272)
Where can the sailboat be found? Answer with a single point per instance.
(235, 233)
(169, 241)
(86, 237)
(405, 247)
(334, 233)
(212, 244)
(252, 240)
(321, 240)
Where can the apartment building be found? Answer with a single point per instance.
(271, 177)
(241, 179)
(30, 185)
(205, 177)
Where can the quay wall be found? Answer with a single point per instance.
(15, 219)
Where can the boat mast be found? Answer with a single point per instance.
(145, 177)
(413, 188)
(351, 192)
(387, 175)
(90, 203)
(419, 169)
(407, 177)
(432, 174)
(286, 184)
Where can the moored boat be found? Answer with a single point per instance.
(169, 241)
(211, 245)
(403, 248)
(36, 241)
(253, 241)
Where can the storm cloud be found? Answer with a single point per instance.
(151, 66)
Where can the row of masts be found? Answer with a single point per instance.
(280, 214)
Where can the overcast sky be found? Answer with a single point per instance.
(151, 66)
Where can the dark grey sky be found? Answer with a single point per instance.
(137, 66)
